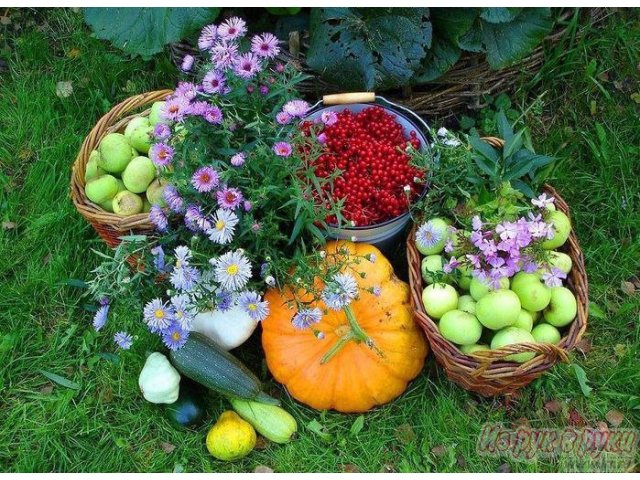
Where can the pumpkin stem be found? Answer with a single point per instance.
(342, 341)
(358, 332)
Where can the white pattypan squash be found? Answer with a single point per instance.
(159, 381)
(228, 329)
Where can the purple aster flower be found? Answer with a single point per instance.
(187, 63)
(161, 154)
(213, 82)
(184, 278)
(264, 269)
(195, 220)
(306, 317)
(198, 108)
(157, 315)
(280, 67)
(183, 311)
(265, 45)
(250, 88)
(162, 132)
(186, 90)
(223, 55)
(340, 291)
(253, 305)
(205, 179)
(232, 28)
(283, 118)
(100, 318)
(476, 223)
(229, 198)
(246, 65)
(224, 300)
(428, 235)
(264, 89)
(554, 277)
(174, 109)
(238, 159)
(282, 149)
(213, 115)
(158, 218)
(173, 199)
(158, 258)
(232, 270)
(322, 138)
(542, 201)
(207, 37)
(451, 265)
(123, 340)
(247, 206)
(296, 108)
(183, 254)
(175, 337)
(328, 117)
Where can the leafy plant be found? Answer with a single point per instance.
(145, 31)
(485, 122)
(513, 163)
(393, 47)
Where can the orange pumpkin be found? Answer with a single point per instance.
(360, 362)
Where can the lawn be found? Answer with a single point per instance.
(583, 107)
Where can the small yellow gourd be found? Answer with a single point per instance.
(231, 438)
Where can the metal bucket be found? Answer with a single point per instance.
(389, 234)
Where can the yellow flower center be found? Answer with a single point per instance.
(232, 269)
(219, 225)
(252, 306)
(178, 264)
(176, 336)
(159, 313)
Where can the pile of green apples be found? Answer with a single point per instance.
(476, 316)
(119, 176)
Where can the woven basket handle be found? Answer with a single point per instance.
(487, 357)
(349, 98)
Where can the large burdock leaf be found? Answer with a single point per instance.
(440, 58)
(368, 47)
(499, 14)
(145, 31)
(506, 43)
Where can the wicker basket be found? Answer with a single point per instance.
(109, 225)
(485, 373)
(460, 89)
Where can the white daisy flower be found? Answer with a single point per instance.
(224, 223)
(232, 270)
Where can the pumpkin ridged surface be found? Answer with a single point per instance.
(358, 377)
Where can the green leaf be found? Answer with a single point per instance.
(452, 23)
(484, 149)
(441, 57)
(523, 187)
(506, 43)
(466, 122)
(60, 380)
(499, 14)
(357, 425)
(297, 228)
(145, 31)
(513, 144)
(317, 428)
(582, 380)
(484, 166)
(505, 130)
(368, 48)
(472, 40)
(596, 312)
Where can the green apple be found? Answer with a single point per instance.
(141, 139)
(154, 114)
(474, 347)
(524, 321)
(562, 308)
(438, 299)
(535, 315)
(522, 278)
(155, 192)
(146, 205)
(562, 228)
(479, 288)
(460, 327)
(498, 309)
(107, 205)
(134, 124)
(139, 174)
(465, 277)
(435, 233)
(545, 333)
(430, 265)
(560, 260)
(92, 170)
(127, 203)
(101, 189)
(511, 336)
(115, 153)
(466, 303)
(533, 294)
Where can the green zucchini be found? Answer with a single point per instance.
(204, 362)
(270, 421)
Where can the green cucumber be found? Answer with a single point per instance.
(203, 361)
(270, 421)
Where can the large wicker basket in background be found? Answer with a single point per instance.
(109, 225)
(486, 373)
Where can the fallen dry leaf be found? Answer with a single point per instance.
(262, 443)
(575, 418)
(522, 422)
(628, 288)
(620, 350)
(167, 447)
(504, 468)
(584, 346)
(64, 89)
(614, 417)
(461, 462)
(8, 225)
(553, 406)
(439, 451)
(47, 389)
(47, 258)
(73, 53)
(263, 469)
(5, 20)
(388, 468)
(349, 468)
(405, 434)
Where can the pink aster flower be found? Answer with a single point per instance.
(322, 138)
(246, 65)
(207, 37)
(229, 198)
(238, 159)
(280, 67)
(187, 63)
(161, 132)
(198, 108)
(233, 28)
(161, 154)
(213, 115)
(296, 108)
(205, 179)
(282, 149)
(223, 54)
(328, 117)
(186, 90)
(213, 82)
(263, 89)
(174, 109)
(265, 45)
(283, 118)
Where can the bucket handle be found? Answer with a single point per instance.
(349, 98)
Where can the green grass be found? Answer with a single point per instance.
(588, 120)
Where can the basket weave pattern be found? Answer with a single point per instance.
(109, 225)
(485, 372)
